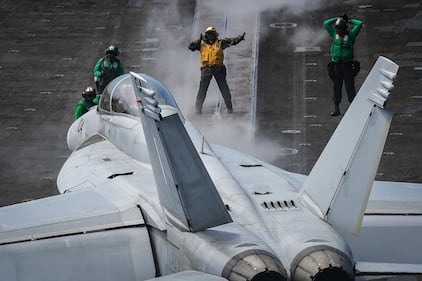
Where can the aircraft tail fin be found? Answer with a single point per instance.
(338, 187)
(186, 192)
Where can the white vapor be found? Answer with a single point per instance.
(178, 68)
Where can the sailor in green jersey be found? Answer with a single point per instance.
(89, 99)
(107, 68)
(342, 58)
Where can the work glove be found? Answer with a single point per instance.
(201, 37)
(243, 36)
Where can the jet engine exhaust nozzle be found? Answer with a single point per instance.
(254, 265)
(325, 264)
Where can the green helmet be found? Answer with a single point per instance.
(113, 50)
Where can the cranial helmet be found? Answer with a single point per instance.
(89, 92)
(341, 24)
(211, 29)
(89, 89)
(113, 50)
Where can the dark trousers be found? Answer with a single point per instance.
(100, 87)
(344, 71)
(219, 73)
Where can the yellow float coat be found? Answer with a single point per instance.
(211, 54)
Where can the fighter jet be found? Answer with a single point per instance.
(144, 196)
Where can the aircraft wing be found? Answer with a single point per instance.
(95, 224)
(92, 181)
(79, 235)
(69, 214)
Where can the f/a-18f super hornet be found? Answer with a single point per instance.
(144, 196)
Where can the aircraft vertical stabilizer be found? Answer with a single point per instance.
(186, 192)
(339, 184)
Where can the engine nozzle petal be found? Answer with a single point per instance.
(322, 264)
(254, 265)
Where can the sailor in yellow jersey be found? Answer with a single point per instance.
(212, 57)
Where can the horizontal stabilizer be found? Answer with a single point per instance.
(372, 269)
(339, 184)
(186, 191)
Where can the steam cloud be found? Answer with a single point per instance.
(178, 68)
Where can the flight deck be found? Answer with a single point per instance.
(282, 95)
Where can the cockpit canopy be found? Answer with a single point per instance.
(119, 96)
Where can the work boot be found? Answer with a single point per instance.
(336, 111)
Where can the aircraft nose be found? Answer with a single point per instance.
(254, 265)
(324, 264)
